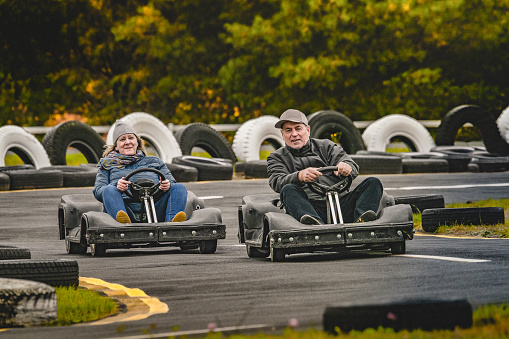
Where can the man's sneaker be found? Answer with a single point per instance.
(309, 220)
(123, 218)
(180, 216)
(367, 216)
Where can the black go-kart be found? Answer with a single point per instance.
(82, 223)
(266, 229)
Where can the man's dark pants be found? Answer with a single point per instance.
(366, 196)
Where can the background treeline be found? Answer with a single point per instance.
(226, 61)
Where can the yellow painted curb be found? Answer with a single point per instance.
(139, 305)
(454, 236)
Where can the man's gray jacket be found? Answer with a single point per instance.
(284, 164)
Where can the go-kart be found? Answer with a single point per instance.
(266, 229)
(82, 223)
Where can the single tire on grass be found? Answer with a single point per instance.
(435, 217)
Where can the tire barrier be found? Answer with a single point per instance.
(75, 176)
(420, 165)
(35, 179)
(379, 134)
(252, 134)
(208, 168)
(203, 136)
(55, 273)
(503, 124)
(421, 202)
(72, 134)
(432, 218)
(427, 315)
(239, 168)
(325, 124)
(9, 253)
(24, 145)
(152, 130)
(26, 303)
(488, 162)
(256, 169)
(183, 173)
(378, 164)
(5, 182)
(458, 157)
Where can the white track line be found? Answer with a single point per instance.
(446, 187)
(442, 258)
(212, 197)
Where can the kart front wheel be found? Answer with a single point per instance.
(277, 254)
(208, 246)
(98, 250)
(254, 252)
(398, 247)
(74, 247)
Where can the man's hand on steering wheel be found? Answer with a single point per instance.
(309, 174)
(343, 169)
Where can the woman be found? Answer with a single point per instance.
(126, 155)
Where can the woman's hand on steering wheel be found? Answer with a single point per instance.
(164, 185)
(123, 184)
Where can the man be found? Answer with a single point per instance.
(291, 167)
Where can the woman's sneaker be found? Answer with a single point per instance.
(180, 216)
(123, 218)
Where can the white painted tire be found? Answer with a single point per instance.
(24, 144)
(379, 134)
(503, 124)
(250, 136)
(152, 130)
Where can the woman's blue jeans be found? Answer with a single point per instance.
(366, 196)
(172, 202)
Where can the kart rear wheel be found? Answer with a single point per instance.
(98, 250)
(277, 254)
(208, 246)
(254, 252)
(398, 247)
(74, 248)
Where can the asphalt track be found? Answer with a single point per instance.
(229, 291)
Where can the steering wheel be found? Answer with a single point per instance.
(321, 188)
(143, 187)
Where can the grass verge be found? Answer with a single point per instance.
(78, 305)
(481, 231)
